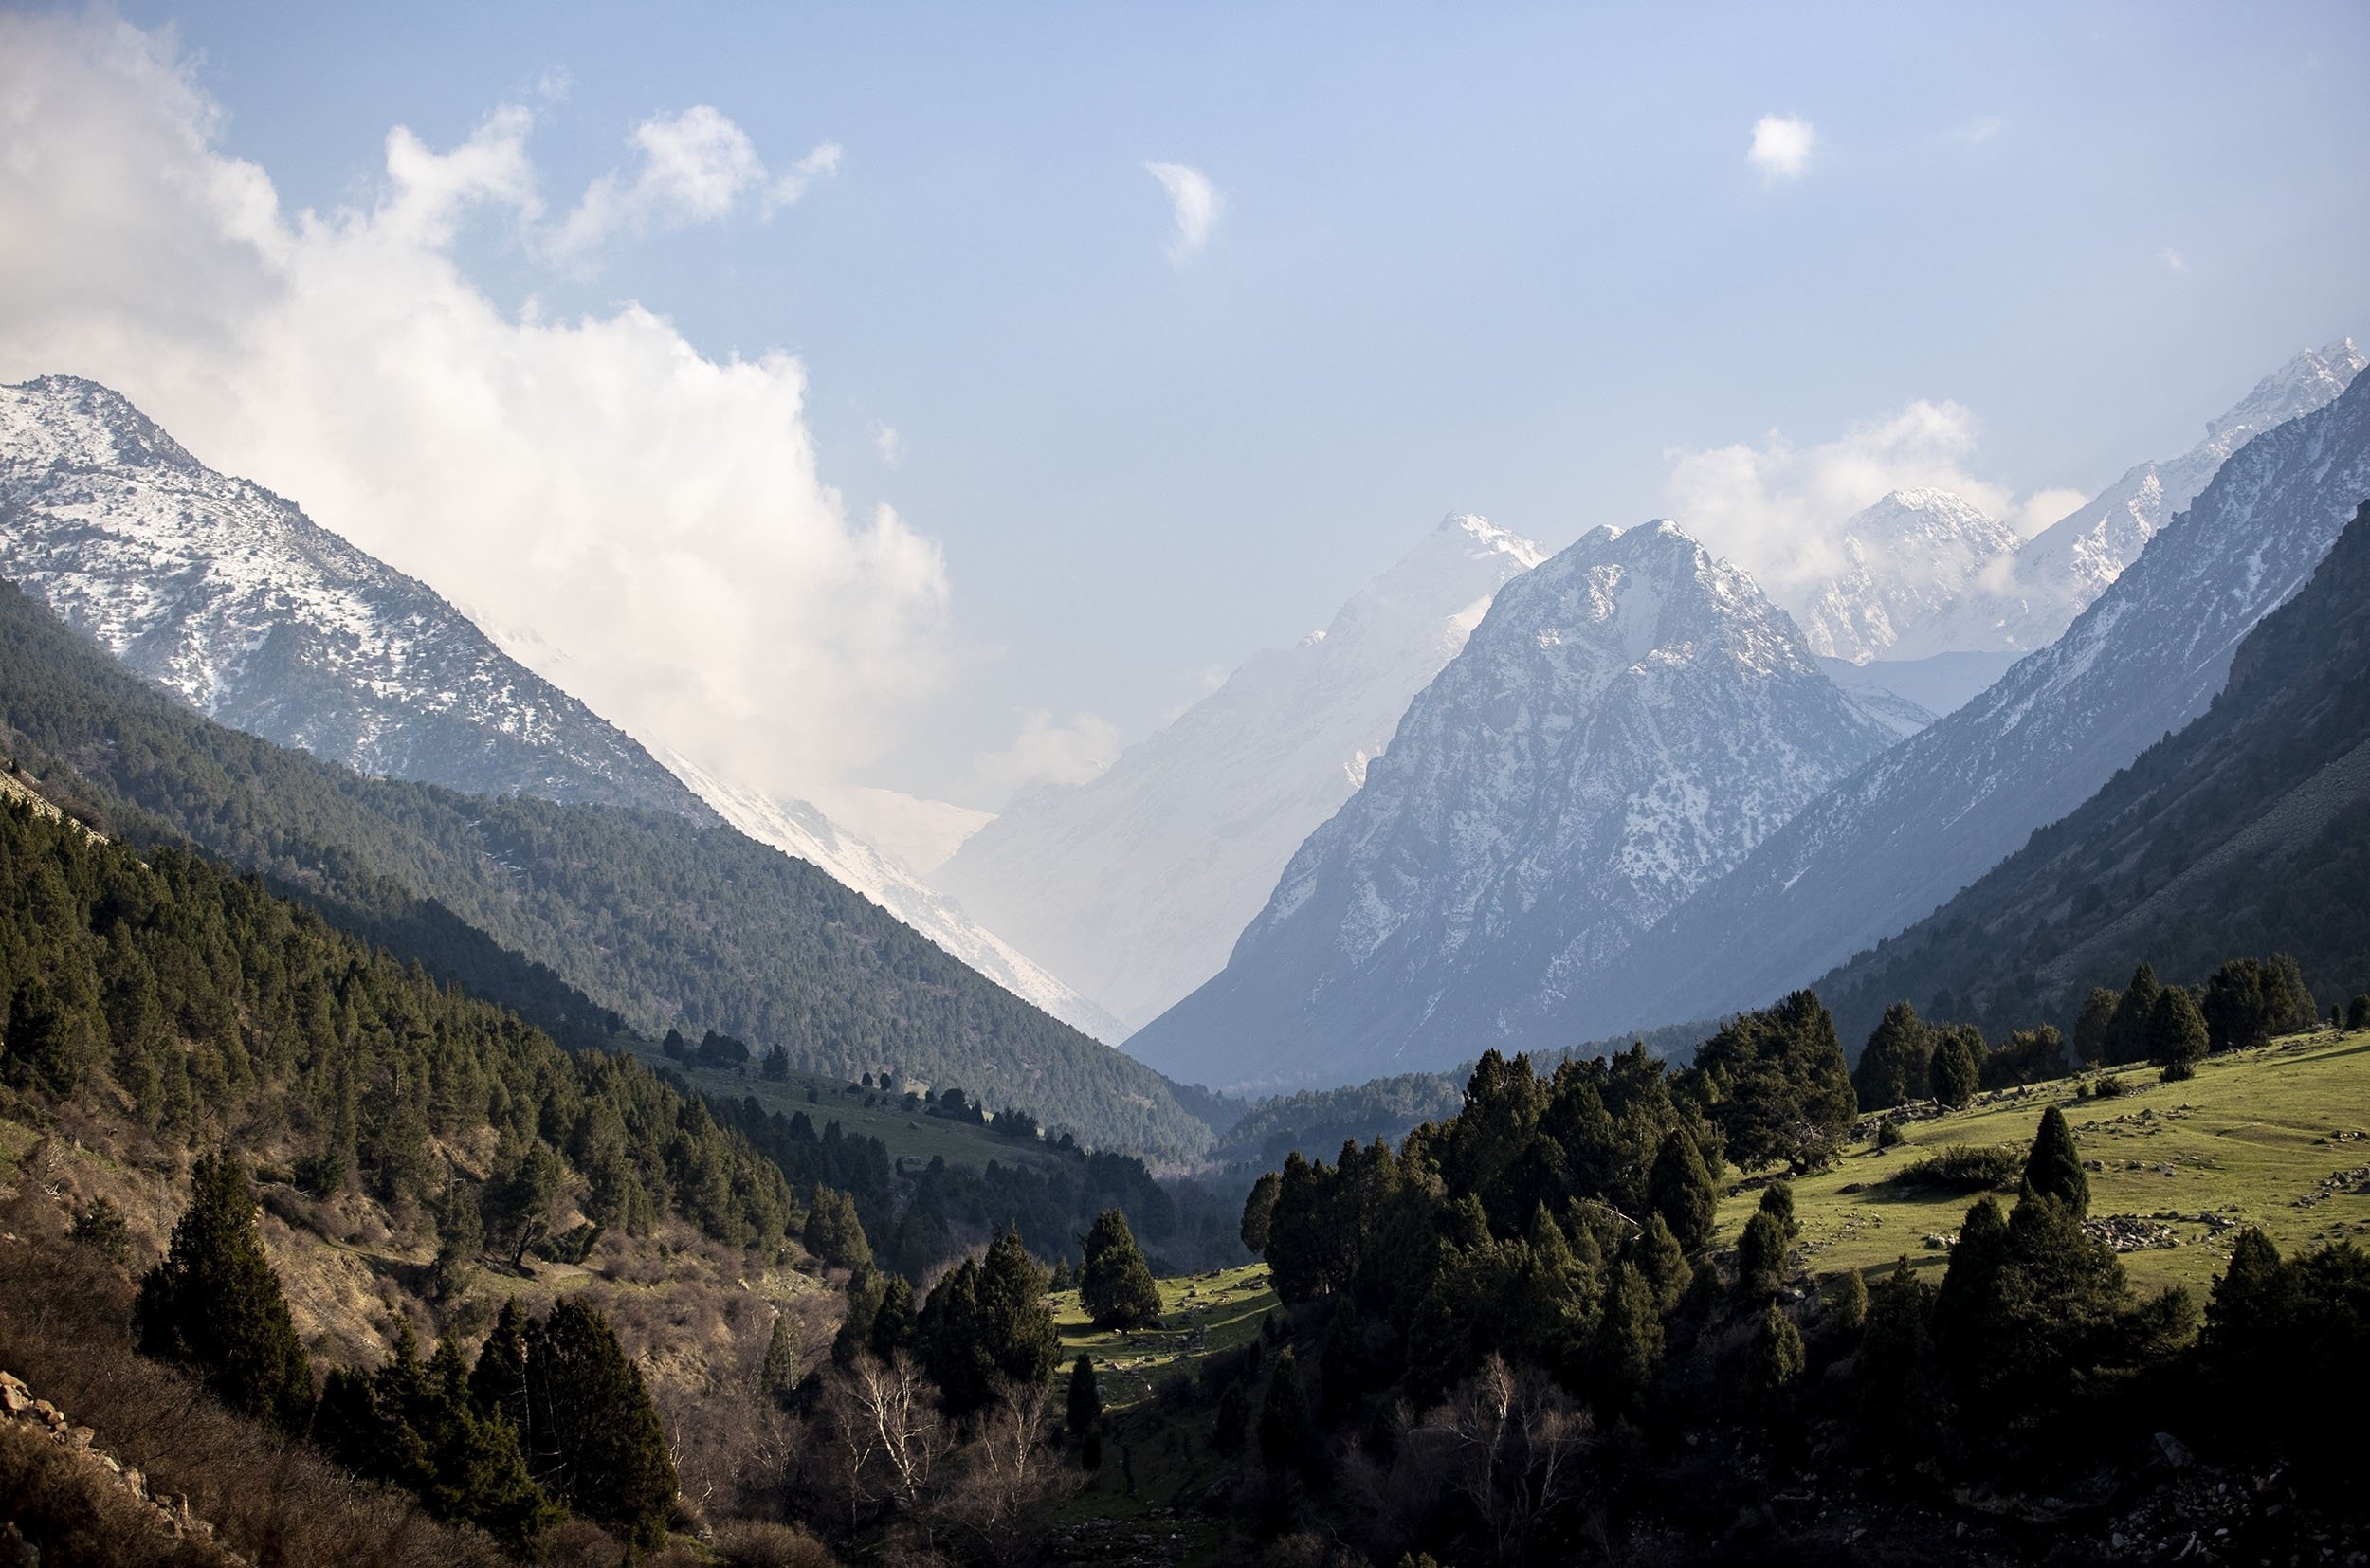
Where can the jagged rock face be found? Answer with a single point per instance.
(1628, 721)
(1928, 818)
(1907, 558)
(1132, 886)
(229, 596)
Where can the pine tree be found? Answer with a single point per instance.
(1015, 1320)
(1680, 1189)
(1283, 1425)
(1774, 1361)
(1114, 1283)
(594, 1435)
(1888, 1371)
(460, 1232)
(1893, 1066)
(517, 1203)
(2090, 1029)
(892, 1327)
(498, 1384)
(2176, 1036)
(2358, 1012)
(834, 1234)
(1226, 1432)
(1629, 1337)
(1663, 1264)
(1955, 1071)
(2053, 1169)
(2128, 1029)
(782, 1371)
(1777, 1203)
(1086, 1399)
(214, 1306)
(1847, 1298)
(1760, 1255)
(1259, 1211)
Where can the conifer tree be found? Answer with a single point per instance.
(1226, 1432)
(1629, 1337)
(1086, 1399)
(498, 1383)
(1259, 1211)
(1663, 1264)
(1015, 1319)
(2127, 1029)
(214, 1305)
(517, 1202)
(1847, 1298)
(460, 1232)
(2098, 1012)
(2358, 1012)
(1283, 1425)
(1893, 1066)
(1955, 1071)
(594, 1437)
(892, 1327)
(782, 1371)
(1760, 1255)
(1114, 1283)
(2177, 1035)
(2054, 1168)
(1777, 1203)
(1887, 1374)
(833, 1233)
(1774, 1361)
(1680, 1189)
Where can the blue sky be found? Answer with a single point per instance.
(1504, 258)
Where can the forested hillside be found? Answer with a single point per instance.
(2247, 831)
(649, 916)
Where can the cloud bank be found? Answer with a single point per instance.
(1194, 205)
(640, 522)
(1781, 147)
(1778, 509)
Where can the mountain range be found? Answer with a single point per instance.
(1132, 886)
(1628, 721)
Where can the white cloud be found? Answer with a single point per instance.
(888, 444)
(1777, 509)
(692, 168)
(2173, 261)
(651, 520)
(1977, 132)
(1194, 205)
(1046, 752)
(1781, 147)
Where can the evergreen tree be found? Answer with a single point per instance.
(214, 1306)
(2128, 1028)
(834, 1234)
(1015, 1319)
(2053, 1169)
(1777, 1086)
(1774, 1361)
(1283, 1425)
(1663, 1264)
(1681, 1191)
(2177, 1037)
(2090, 1029)
(1893, 1066)
(782, 1371)
(1956, 1070)
(1629, 1337)
(594, 1435)
(1114, 1283)
(892, 1327)
(1086, 1399)
(498, 1384)
(1259, 1211)
(1760, 1255)
(2358, 1012)
(1777, 1203)
(459, 1233)
(1847, 1298)
(517, 1203)
(1887, 1374)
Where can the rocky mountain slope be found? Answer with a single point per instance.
(1897, 840)
(1628, 721)
(1133, 887)
(224, 594)
(1907, 559)
(2248, 832)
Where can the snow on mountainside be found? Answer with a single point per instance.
(1907, 558)
(1132, 886)
(1932, 816)
(797, 828)
(2027, 600)
(230, 597)
(1630, 720)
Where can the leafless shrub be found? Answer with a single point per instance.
(887, 1436)
(1510, 1444)
(1008, 1478)
(762, 1543)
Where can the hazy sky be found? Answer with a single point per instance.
(933, 397)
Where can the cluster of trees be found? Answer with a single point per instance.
(214, 1007)
(586, 918)
(553, 1411)
(1909, 1058)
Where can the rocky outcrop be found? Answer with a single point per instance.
(171, 1511)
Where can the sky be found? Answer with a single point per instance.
(939, 398)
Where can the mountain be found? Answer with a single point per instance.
(1894, 842)
(2246, 833)
(799, 828)
(1132, 886)
(224, 594)
(1915, 692)
(1907, 559)
(2062, 568)
(563, 910)
(1627, 723)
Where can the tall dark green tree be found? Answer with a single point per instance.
(1259, 1211)
(214, 1305)
(1760, 1255)
(593, 1436)
(498, 1383)
(1774, 1361)
(2128, 1028)
(1955, 1071)
(1114, 1283)
(2176, 1036)
(1628, 1338)
(1778, 1088)
(517, 1202)
(782, 1369)
(1892, 1069)
(1284, 1434)
(1085, 1399)
(1681, 1190)
(2054, 1168)
(834, 1234)
(2090, 1029)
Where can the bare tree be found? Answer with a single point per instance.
(1513, 1445)
(888, 1436)
(1011, 1475)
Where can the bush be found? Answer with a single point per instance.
(1958, 1168)
(1889, 1133)
(2110, 1087)
(762, 1544)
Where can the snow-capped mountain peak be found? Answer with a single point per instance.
(1904, 559)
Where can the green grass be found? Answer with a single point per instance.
(2250, 1139)
(909, 1135)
